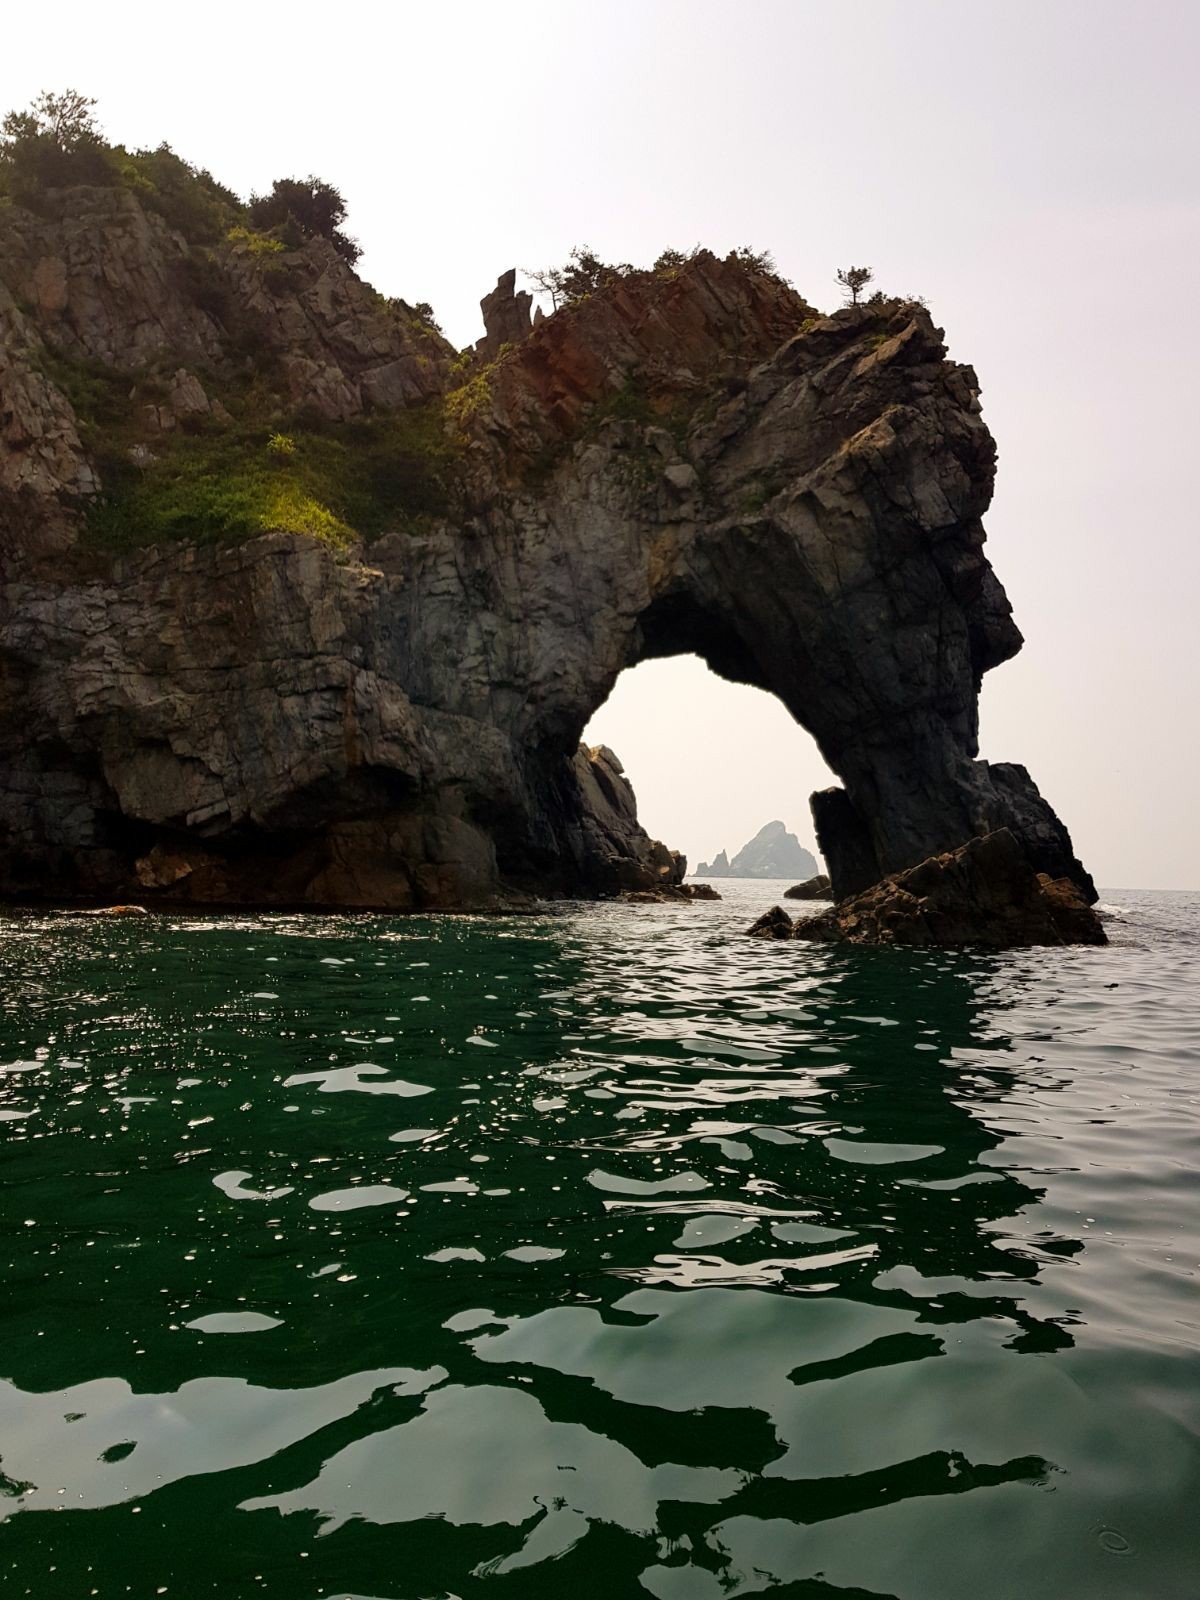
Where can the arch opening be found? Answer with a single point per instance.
(710, 760)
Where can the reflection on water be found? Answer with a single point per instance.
(424, 1258)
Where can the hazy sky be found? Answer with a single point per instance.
(1029, 166)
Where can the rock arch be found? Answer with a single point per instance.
(690, 460)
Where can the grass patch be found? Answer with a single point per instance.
(223, 484)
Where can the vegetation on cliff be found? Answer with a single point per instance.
(56, 144)
(221, 482)
(230, 375)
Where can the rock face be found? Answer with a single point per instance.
(684, 460)
(772, 853)
(983, 893)
(815, 888)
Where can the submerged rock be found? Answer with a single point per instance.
(983, 893)
(671, 891)
(773, 924)
(817, 888)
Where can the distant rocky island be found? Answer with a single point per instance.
(772, 853)
(302, 606)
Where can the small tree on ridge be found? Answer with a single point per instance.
(854, 280)
(54, 143)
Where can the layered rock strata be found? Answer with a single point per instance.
(691, 460)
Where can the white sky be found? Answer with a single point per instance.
(1029, 166)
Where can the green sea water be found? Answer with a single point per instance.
(605, 1253)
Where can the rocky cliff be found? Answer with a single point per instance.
(300, 607)
(772, 853)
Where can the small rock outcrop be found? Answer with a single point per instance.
(983, 893)
(815, 888)
(772, 853)
(773, 924)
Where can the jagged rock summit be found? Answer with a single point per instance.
(300, 607)
(772, 853)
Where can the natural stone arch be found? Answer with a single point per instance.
(685, 460)
(817, 534)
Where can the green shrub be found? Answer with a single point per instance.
(210, 489)
(54, 144)
(189, 198)
(465, 402)
(333, 482)
(260, 245)
(316, 208)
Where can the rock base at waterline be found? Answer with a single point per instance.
(670, 891)
(983, 893)
(817, 888)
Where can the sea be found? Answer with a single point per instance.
(603, 1252)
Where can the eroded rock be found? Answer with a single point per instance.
(983, 893)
